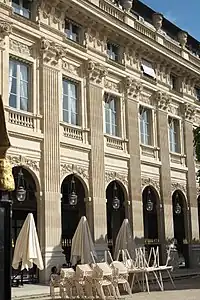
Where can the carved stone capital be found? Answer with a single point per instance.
(95, 71)
(111, 175)
(133, 87)
(145, 181)
(5, 29)
(177, 186)
(51, 52)
(163, 100)
(67, 169)
(189, 111)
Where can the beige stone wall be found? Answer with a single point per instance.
(52, 149)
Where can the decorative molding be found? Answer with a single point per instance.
(174, 110)
(20, 47)
(67, 169)
(145, 181)
(111, 85)
(111, 175)
(5, 29)
(133, 87)
(177, 186)
(190, 112)
(24, 161)
(163, 100)
(51, 52)
(198, 191)
(96, 72)
(72, 69)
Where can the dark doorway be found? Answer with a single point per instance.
(180, 221)
(19, 214)
(72, 210)
(150, 200)
(115, 211)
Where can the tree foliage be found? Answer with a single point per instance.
(196, 133)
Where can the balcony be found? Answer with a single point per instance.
(149, 151)
(23, 118)
(116, 143)
(177, 158)
(75, 132)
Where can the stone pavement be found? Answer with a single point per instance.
(186, 289)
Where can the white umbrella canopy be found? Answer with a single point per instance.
(125, 240)
(27, 249)
(82, 244)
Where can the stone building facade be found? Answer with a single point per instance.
(103, 94)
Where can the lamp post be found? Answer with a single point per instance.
(73, 196)
(20, 190)
(115, 201)
(149, 203)
(177, 207)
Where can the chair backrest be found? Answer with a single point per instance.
(120, 267)
(83, 271)
(103, 269)
(107, 256)
(67, 273)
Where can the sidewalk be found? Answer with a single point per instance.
(38, 291)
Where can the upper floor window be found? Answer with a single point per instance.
(174, 135)
(174, 82)
(111, 112)
(197, 92)
(145, 125)
(19, 85)
(113, 51)
(148, 69)
(70, 102)
(72, 31)
(22, 7)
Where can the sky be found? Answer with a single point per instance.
(185, 14)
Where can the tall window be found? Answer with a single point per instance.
(72, 31)
(111, 114)
(22, 7)
(19, 85)
(70, 102)
(145, 126)
(174, 134)
(113, 51)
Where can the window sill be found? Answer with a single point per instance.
(177, 158)
(25, 20)
(78, 45)
(150, 151)
(116, 64)
(74, 132)
(116, 142)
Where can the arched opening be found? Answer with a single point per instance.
(198, 207)
(180, 223)
(20, 210)
(72, 208)
(115, 207)
(151, 218)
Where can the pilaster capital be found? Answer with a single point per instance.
(133, 87)
(163, 100)
(5, 29)
(51, 52)
(189, 112)
(95, 71)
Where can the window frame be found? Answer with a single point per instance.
(174, 143)
(22, 9)
(18, 85)
(114, 128)
(78, 103)
(174, 84)
(111, 51)
(146, 136)
(145, 65)
(78, 34)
